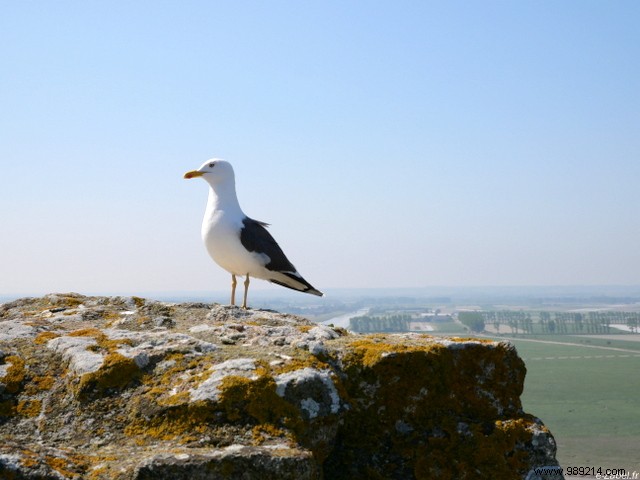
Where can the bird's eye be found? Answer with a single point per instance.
(211, 165)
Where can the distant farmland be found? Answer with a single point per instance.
(588, 394)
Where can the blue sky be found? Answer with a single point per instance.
(389, 144)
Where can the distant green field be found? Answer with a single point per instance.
(587, 340)
(588, 397)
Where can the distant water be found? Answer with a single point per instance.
(343, 320)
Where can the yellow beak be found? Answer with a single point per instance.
(193, 174)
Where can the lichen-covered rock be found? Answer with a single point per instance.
(126, 388)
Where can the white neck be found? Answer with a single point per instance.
(222, 197)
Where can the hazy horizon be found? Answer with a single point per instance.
(453, 293)
(428, 143)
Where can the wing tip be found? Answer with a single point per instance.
(315, 292)
(307, 288)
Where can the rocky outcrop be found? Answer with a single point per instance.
(126, 388)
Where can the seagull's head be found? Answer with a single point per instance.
(213, 171)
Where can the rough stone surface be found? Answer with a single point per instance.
(127, 388)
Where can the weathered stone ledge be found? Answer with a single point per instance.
(127, 388)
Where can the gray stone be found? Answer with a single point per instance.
(99, 388)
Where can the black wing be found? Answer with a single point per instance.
(255, 238)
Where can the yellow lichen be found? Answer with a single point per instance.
(266, 431)
(110, 317)
(159, 414)
(162, 414)
(63, 466)
(370, 350)
(29, 408)
(187, 421)
(298, 363)
(177, 399)
(139, 302)
(471, 339)
(87, 332)
(117, 371)
(97, 472)
(29, 459)
(103, 341)
(68, 301)
(15, 374)
(258, 398)
(44, 337)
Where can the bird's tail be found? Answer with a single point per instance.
(294, 281)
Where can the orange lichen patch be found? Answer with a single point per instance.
(15, 374)
(371, 350)
(98, 472)
(44, 337)
(66, 300)
(233, 397)
(29, 459)
(139, 302)
(264, 432)
(60, 465)
(103, 467)
(185, 421)
(87, 332)
(177, 399)
(71, 467)
(103, 341)
(241, 397)
(304, 328)
(29, 408)
(298, 363)
(110, 316)
(470, 339)
(242, 401)
(186, 372)
(117, 371)
(161, 414)
(39, 384)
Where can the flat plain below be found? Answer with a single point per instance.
(587, 392)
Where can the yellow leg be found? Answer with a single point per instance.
(246, 289)
(233, 289)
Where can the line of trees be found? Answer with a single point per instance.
(474, 321)
(561, 322)
(512, 321)
(517, 321)
(384, 323)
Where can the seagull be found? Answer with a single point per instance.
(239, 244)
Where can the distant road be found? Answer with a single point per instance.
(343, 320)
